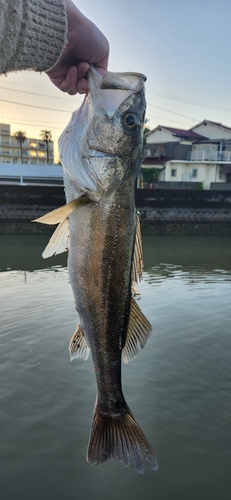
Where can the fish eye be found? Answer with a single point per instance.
(130, 121)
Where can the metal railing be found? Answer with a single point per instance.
(24, 174)
(208, 155)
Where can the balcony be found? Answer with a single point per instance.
(209, 155)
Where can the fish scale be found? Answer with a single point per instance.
(101, 152)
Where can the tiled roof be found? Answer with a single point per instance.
(180, 132)
(184, 133)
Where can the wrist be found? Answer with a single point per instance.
(74, 16)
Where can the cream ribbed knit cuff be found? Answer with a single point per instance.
(32, 34)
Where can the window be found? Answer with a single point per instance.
(194, 173)
(147, 152)
(173, 172)
(221, 174)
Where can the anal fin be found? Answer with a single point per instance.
(138, 333)
(78, 347)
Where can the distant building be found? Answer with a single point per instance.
(33, 150)
(201, 154)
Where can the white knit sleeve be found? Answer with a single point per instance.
(32, 34)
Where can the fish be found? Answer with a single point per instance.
(100, 151)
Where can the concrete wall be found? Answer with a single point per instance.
(41, 196)
(170, 198)
(206, 172)
(160, 136)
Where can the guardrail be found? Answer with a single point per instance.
(24, 174)
(207, 155)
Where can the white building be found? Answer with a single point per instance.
(201, 154)
(33, 150)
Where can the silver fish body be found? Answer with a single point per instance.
(101, 153)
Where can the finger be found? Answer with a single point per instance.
(73, 92)
(82, 86)
(82, 69)
(69, 83)
(75, 74)
(102, 65)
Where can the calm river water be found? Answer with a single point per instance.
(178, 388)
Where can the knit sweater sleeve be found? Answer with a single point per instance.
(32, 34)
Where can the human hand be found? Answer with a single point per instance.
(86, 45)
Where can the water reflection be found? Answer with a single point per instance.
(190, 259)
(178, 388)
(24, 252)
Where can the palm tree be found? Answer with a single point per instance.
(20, 138)
(46, 136)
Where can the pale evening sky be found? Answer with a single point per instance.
(182, 46)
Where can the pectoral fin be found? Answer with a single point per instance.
(59, 241)
(139, 330)
(137, 267)
(59, 214)
(78, 347)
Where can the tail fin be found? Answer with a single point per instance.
(119, 437)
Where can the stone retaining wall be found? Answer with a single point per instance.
(161, 212)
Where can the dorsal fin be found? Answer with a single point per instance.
(78, 347)
(138, 333)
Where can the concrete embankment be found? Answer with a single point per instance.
(168, 212)
(184, 212)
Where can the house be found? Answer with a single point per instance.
(213, 130)
(201, 154)
(33, 150)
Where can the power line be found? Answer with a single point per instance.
(31, 125)
(33, 121)
(188, 101)
(35, 93)
(155, 91)
(64, 111)
(38, 107)
(166, 119)
(174, 112)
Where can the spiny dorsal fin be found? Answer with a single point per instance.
(78, 347)
(139, 330)
(59, 214)
(137, 267)
(59, 241)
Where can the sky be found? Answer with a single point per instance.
(182, 46)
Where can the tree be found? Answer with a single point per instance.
(46, 136)
(146, 130)
(151, 174)
(20, 138)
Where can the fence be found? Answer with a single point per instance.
(22, 174)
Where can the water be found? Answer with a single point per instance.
(178, 388)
